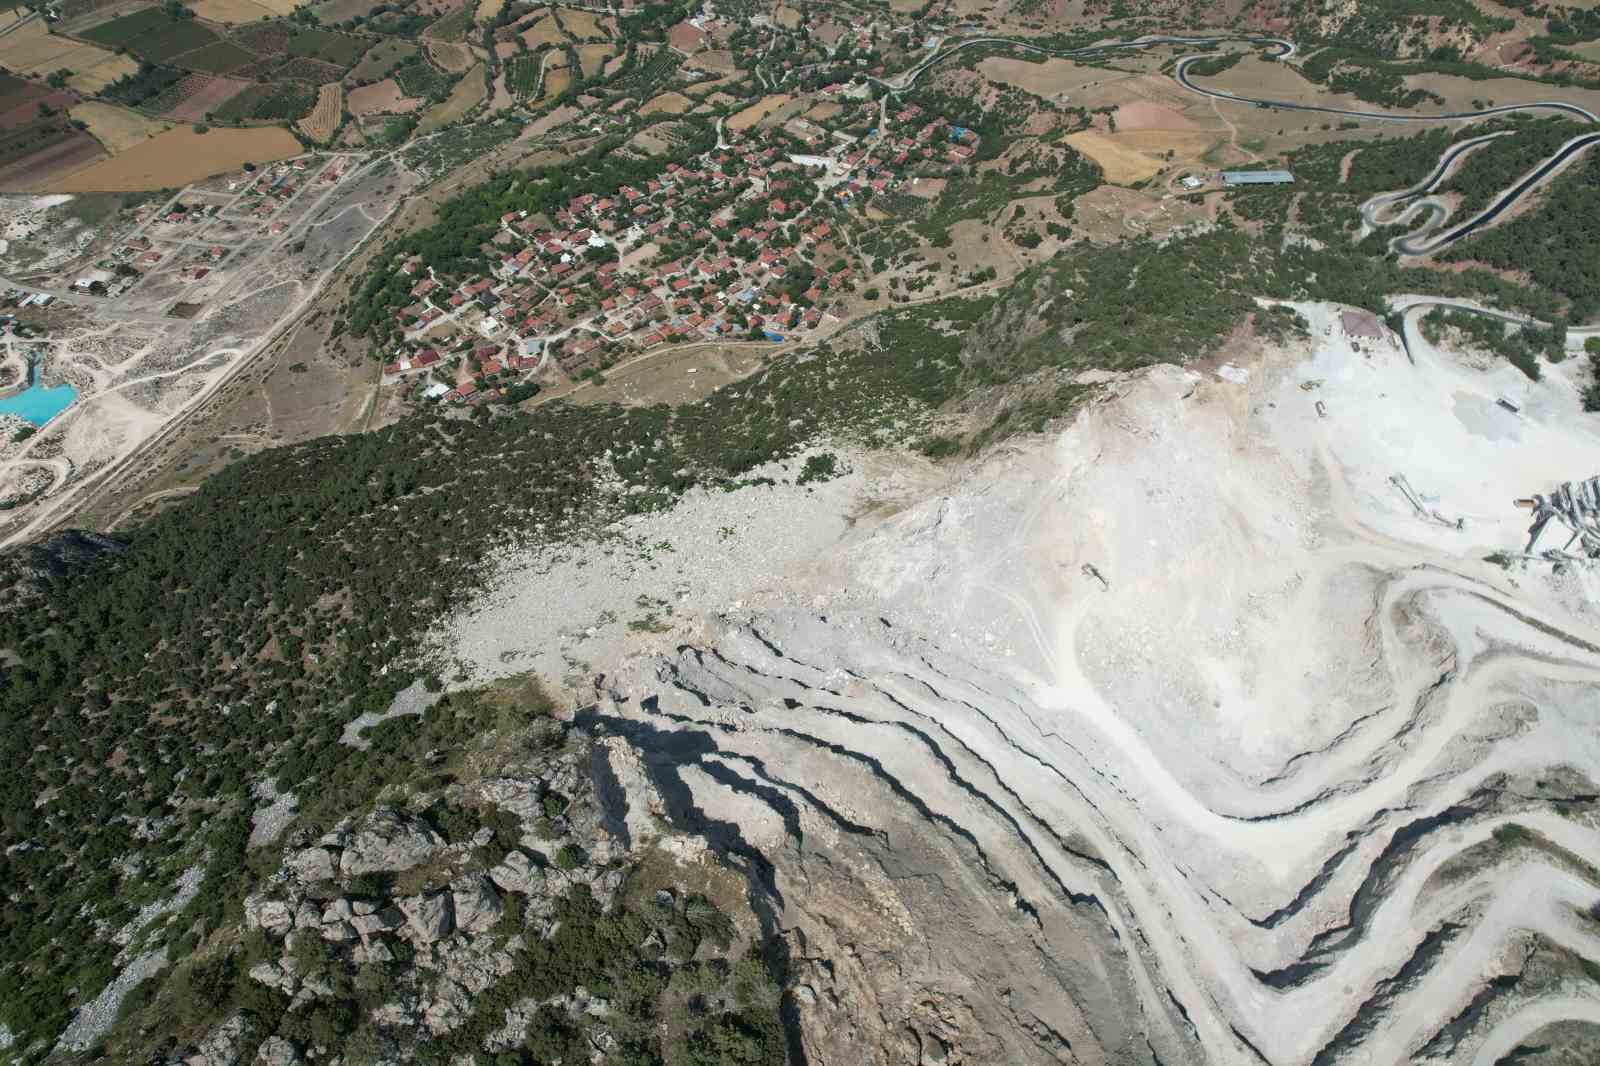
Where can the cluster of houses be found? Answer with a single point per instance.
(575, 289)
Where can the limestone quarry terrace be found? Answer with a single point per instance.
(1197, 658)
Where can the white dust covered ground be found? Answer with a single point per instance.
(1177, 736)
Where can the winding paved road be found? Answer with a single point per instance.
(1433, 236)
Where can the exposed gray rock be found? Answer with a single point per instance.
(276, 1051)
(221, 1047)
(310, 865)
(371, 951)
(307, 916)
(388, 840)
(518, 873)
(429, 918)
(383, 921)
(477, 904)
(271, 915)
(338, 932)
(337, 911)
(274, 975)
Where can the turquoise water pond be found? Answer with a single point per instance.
(38, 404)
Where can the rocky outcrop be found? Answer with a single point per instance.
(517, 872)
(389, 840)
(476, 904)
(430, 917)
(273, 916)
(221, 1047)
(276, 1051)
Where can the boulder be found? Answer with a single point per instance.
(310, 865)
(517, 873)
(273, 975)
(276, 1051)
(271, 915)
(429, 918)
(308, 916)
(383, 921)
(477, 904)
(388, 840)
(338, 932)
(337, 911)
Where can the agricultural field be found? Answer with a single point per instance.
(223, 57)
(489, 9)
(335, 12)
(523, 74)
(584, 25)
(117, 128)
(32, 49)
(323, 122)
(151, 34)
(381, 61)
(756, 112)
(556, 82)
(332, 47)
(419, 78)
(20, 100)
(592, 58)
(541, 31)
(195, 97)
(233, 12)
(453, 27)
(467, 94)
(265, 103)
(311, 71)
(180, 156)
(266, 38)
(45, 160)
(381, 98)
(451, 56)
(667, 104)
(1123, 165)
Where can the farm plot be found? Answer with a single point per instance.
(761, 109)
(180, 156)
(542, 30)
(381, 98)
(334, 12)
(265, 103)
(196, 96)
(524, 74)
(266, 38)
(489, 9)
(117, 128)
(583, 25)
(45, 160)
(311, 71)
(381, 61)
(323, 44)
(233, 12)
(467, 94)
(419, 78)
(556, 82)
(450, 55)
(152, 34)
(32, 49)
(1123, 165)
(223, 57)
(667, 104)
(592, 58)
(323, 122)
(453, 27)
(24, 108)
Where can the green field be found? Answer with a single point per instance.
(453, 27)
(123, 30)
(223, 57)
(523, 78)
(326, 45)
(280, 100)
(420, 79)
(375, 65)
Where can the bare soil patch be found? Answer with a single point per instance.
(669, 103)
(543, 31)
(488, 9)
(381, 98)
(581, 24)
(180, 156)
(451, 55)
(1123, 165)
(675, 376)
(592, 57)
(556, 81)
(203, 94)
(1051, 79)
(32, 49)
(719, 61)
(761, 109)
(1145, 115)
(232, 12)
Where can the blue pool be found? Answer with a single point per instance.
(37, 404)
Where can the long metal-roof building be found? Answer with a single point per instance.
(1257, 177)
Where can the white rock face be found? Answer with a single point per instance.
(271, 915)
(429, 918)
(1180, 733)
(476, 904)
(517, 873)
